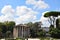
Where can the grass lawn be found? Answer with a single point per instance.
(49, 39)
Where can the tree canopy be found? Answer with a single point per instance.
(6, 27)
(52, 13)
(52, 16)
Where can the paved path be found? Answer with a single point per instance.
(33, 39)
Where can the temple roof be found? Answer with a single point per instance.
(21, 25)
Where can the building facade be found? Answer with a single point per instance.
(21, 31)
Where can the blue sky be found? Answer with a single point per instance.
(24, 11)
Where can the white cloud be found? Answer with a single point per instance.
(25, 18)
(44, 20)
(8, 13)
(6, 18)
(24, 14)
(7, 10)
(39, 4)
(22, 10)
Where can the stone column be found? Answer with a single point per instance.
(22, 31)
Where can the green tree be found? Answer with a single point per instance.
(6, 27)
(55, 33)
(34, 28)
(58, 23)
(52, 16)
(9, 25)
(41, 33)
(3, 29)
(30, 24)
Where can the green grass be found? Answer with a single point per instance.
(43, 38)
(48, 39)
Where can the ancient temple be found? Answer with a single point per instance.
(21, 31)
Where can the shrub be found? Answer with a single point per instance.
(55, 33)
(41, 33)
